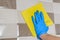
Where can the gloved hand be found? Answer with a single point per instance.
(39, 24)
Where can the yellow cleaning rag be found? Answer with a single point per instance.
(30, 12)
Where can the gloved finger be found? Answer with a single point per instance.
(36, 16)
(42, 16)
(33, 20)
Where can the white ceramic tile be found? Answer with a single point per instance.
(10, 30)
(8, 16)
(1, 7)
(2, 27)
(57, 18)
(46, 0)
(27, 38)
(48, 6)
(20, 17)
(56, 7)
(52, 30)
(23, 4)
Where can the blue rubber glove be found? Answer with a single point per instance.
(39, 24)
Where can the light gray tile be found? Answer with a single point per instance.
(24, 4)
(10, 31)
(56, 18)
(8, 16)
(20, 17)
(24, 30)
(52, 30)
(47, 0)
(56, 8)
(48, 6)
(57, 26)
(27, 38)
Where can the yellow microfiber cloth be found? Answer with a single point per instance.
(30, 12)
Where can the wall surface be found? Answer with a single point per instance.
(12, 24)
